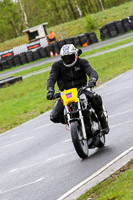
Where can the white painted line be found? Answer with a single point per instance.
(43, 126)
(95, 174)
(122, 113)
(21, 186)
(116, 91)
(123, 123)
(20, 134)
(30, 121)
(69, 140)
(110, 50)
(42, 162)
(12, 144)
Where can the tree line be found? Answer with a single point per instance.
(15, 16)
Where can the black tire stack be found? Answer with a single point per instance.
(93, 38)
(69, 40)
(126, 24)
(29, 56)
(61, 43)
(112, 29)
(43, 52)
(131, 21)
(56, 48)
(36, 55)
(23, 58)
(4, 65)
(104, 33)
(9, 81)
(76, 41)
(16, 60)
(10, 61)
(117, 27)
(83, 39)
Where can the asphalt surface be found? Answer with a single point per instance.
(38, 160)
(53, 59)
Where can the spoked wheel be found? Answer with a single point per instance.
(102, 140)
(79, 142)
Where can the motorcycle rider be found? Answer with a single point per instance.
(71, 72)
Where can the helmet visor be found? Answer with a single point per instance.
(68, 59)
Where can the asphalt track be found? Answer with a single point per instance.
(88, 48)
(38, 161)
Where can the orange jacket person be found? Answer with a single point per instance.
(51, 36)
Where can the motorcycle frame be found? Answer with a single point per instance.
(76, 119)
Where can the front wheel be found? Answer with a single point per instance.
(79, 142)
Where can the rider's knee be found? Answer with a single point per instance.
(98, 99)
(56, 118)
(97, 103)
(53, 117)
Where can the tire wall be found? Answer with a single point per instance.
(116, 28)
(43, 52)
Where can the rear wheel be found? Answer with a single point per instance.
(79, 142)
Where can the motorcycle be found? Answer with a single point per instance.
(85, 128)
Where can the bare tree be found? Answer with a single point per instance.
(101, 3)
(24, 14)
(78, 9)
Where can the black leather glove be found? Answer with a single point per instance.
(50, 94)
(92, 82)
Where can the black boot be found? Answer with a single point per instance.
(104, 122)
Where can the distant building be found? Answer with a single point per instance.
(36, 32)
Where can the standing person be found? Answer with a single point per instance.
(71, 72)
(51, 36)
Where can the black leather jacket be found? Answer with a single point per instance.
(70, 77)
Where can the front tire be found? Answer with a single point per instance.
(79, 142)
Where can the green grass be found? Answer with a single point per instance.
(10, 69)
(107, 47)
(118, 186)
(27, 99)
(87, 53)
(34, 69)
(78, 26)
(23, 101)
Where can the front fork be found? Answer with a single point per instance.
(80, 117)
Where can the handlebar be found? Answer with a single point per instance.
(58, 95)
(84, 88)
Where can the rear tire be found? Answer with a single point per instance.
(80, 144)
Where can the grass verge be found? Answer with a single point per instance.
(118, 186)
(78, 26)
(27, 99)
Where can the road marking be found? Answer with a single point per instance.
(123, 123)
(43, 126)
(30, 121)
(122, 113)
(20, 134)
(12, 144)
(69, 140)
(95, 174)
(21, 186)
(115, 91)
(110, 50)
(45, 161)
